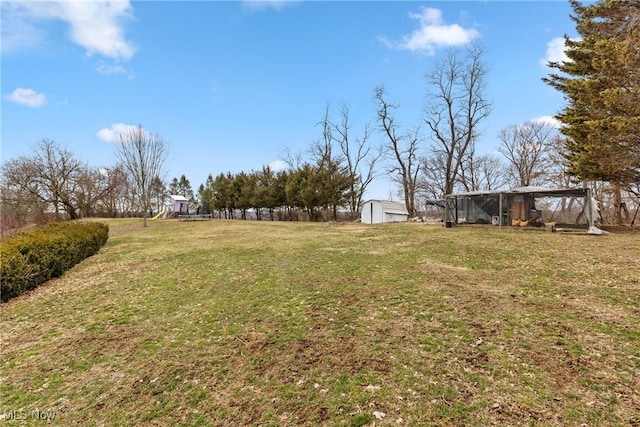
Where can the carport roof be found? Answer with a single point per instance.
(538, 191)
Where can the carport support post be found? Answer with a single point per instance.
(500, 211)
(588, 213)
(446, 211)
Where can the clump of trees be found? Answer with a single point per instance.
(601, 85)
(333, 177)
(313, 191)
(528, 149)
(598, 143)
(439, 157)
(54, 184)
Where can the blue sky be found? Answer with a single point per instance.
(231, 85)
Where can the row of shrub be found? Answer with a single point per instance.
(31, 258)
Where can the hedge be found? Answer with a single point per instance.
(31, 258)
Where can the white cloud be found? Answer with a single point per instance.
(27, 97)
(18, 31)
(549, 121)
(96, 26)
(112, 133)
(432, 33)
(277, 165)
(113, 69)
(109, 69)
(555, 51)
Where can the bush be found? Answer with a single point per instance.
(31, 258)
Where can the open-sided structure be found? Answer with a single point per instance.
(524, 207)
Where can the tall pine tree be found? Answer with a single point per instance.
(601, 84)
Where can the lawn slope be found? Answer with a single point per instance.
(278, 324)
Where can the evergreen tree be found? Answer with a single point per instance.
(182, 187)
(244, 192)
(264, 180)
(277, 196)
(601, 83)
(205, 192)
(302, 191)
(158, 194)
(223, 197)
(333, 182)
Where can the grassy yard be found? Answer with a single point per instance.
(285, 324)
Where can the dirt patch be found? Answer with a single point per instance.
(622, 229)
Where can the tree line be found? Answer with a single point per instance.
(52, 183)
(597, 144)
(332, 174)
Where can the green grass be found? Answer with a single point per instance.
(282, 324)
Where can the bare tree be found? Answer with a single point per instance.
(491, 172)
(293, 160)
(359, 157)
(19, 208)
(118, 197)
(92, 188)
(402, 147)
(456, 104)
(143, 156)
(558, 169)
(527, 148)
(468, 173)
(333, 180)
(50, 175)
(485, 172)
(431, 178)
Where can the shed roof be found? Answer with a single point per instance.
(391, 206)
(177, 198)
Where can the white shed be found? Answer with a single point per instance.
(377, 211)
(179, 204)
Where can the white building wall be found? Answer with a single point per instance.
(377, 211)
(392, 217)
(368, 212)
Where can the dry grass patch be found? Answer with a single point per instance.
(260, 323)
